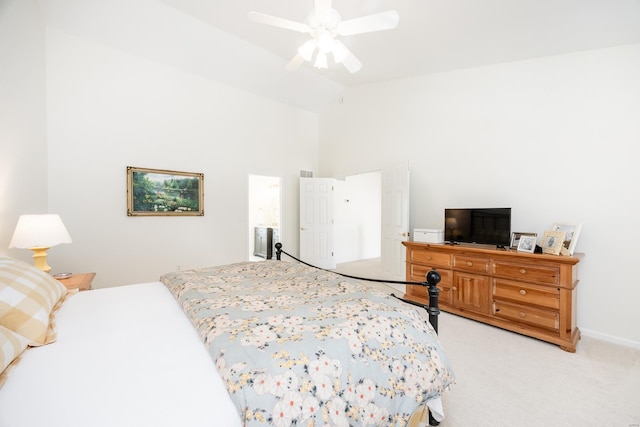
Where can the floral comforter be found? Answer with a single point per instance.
(304, 347)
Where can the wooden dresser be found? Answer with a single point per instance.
(532, 294)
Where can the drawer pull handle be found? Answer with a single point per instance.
(523, 292)
(469, 263)
(523, 271)
(429, 257)
(522, 314)
(454, 288)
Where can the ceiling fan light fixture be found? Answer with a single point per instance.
(325, 41)
(321, 60)
(324, 24)
(306, 50)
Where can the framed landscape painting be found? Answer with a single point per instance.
(158, 192)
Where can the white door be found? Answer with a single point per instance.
(395, 219)
(317, 222)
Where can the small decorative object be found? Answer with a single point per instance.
(157, 192)
(527, 243)
(515, 239)
(552, 242)
(571, 239)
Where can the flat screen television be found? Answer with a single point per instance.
(490, 226)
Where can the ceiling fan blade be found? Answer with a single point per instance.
(351, 63)
(295, 62)
(365, 24)
(322, 6)
(278, 22)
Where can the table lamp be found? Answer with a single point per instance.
(39, 233)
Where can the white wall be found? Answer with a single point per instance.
(555, 138)
(23, 144)
(108, 110)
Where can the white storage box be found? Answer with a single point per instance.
(428, 235)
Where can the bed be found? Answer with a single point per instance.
(303, 347)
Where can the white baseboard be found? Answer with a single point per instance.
(610, 338)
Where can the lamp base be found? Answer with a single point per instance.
(40, 258)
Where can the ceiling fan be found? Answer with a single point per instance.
(324, 25)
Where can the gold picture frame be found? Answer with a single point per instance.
(160, 192)
(552, 242)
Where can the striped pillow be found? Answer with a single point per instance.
(11, 346)
(27, 300)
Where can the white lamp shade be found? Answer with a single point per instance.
(44, 231)
(321, 60)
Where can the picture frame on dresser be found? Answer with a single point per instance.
(516, 236)
(552, 242)
(160, 192)
(527, 243)
(571, 239)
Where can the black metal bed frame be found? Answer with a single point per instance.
(431, 282)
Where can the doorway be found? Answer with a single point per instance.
(358, 212)
(392, 225)
(264, 206)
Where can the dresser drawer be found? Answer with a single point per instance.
(527, 272)
(418, 273)
(471, 264)
(423, 292)
(545, 296)
(427, 257)
(546, 319)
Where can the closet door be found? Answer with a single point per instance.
(317, 221)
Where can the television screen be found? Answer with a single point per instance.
(491, 226)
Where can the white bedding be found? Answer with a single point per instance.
(125, 356)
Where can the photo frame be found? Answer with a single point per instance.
(527, 243)
(571, 239)
(515, 238)
(159, 192)
(552, 242)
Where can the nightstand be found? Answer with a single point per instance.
(80, 281)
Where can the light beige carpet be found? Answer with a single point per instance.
(506, 379)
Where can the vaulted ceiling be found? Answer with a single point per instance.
(215, 39)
